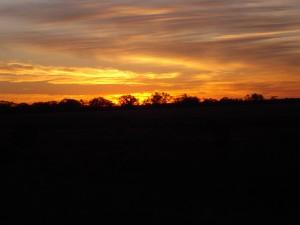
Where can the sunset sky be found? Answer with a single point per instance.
(52, 49)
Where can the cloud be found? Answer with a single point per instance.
(168, 44)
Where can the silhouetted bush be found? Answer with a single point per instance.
(185, 100)
(44, 106)
(22, 107)
(227, 100)
(70, 105)
(6, 106)
(100, 103)
(210, 101)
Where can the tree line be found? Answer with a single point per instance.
(157, 99)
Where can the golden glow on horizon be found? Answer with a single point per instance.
(64, 75)
(31, 98)
(25, 73)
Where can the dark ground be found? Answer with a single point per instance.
(207, 165)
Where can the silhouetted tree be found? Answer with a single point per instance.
(254, 97)
(158, 98)
(185, 100)
(98, 103)
(128, 101)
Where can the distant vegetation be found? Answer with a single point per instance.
(157, 99)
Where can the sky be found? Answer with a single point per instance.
(54, 49)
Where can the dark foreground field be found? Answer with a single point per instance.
(206, 165)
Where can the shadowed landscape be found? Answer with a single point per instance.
(209, 163)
